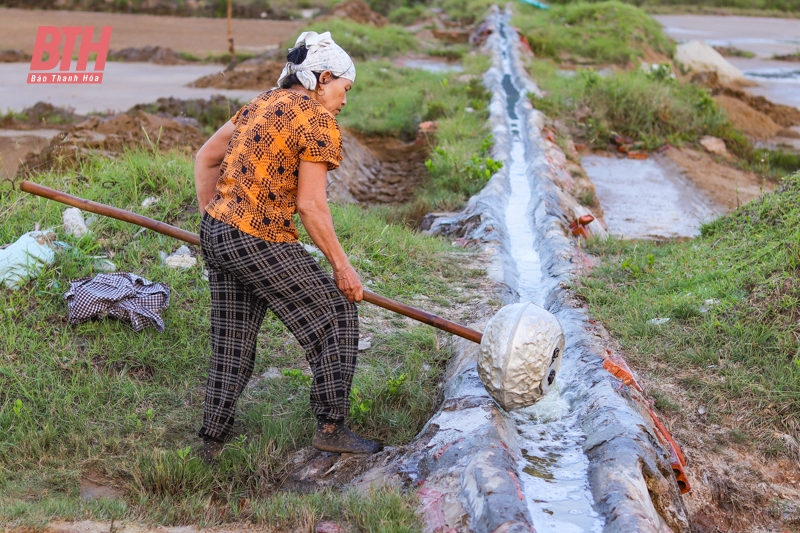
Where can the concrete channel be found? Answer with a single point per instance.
(583, 459)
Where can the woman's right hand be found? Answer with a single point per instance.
(349, 283)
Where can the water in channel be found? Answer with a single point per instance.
(554, 473)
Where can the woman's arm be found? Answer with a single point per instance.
(207, 162)
(312, 205)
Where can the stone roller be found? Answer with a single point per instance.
(520, 351)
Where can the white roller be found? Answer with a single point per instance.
(520, 354)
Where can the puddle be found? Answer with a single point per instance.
(648, 199)
(554, 473)
(430, 64)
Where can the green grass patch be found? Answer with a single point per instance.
(364, 41)
(733, 299)
(100, 396)
(650, 107)
(604, 32)
(407, 15)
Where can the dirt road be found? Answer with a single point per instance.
(199, 36)
(124, 85)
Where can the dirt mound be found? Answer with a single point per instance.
(109, 136)
(212, 112)
(783, 115)
(39, 115)
(752, 122)
(360, 12)
(147, 54)
(264, 76)
(14, 56)
(794, 56)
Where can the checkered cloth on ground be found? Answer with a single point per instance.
(247, 276)
(121, 295)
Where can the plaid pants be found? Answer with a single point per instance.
(247, 276)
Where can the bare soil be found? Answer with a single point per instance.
(753, 123)
(14, 149)
(726, 185)
(111, 135)
(259, 77)
(195, 35)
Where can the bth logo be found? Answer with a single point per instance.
(50, 38)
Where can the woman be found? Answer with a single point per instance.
(270, 161)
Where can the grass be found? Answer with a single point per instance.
(605, 32)
(740, 356)
(363, 41)
(102, 397)
(651, 109)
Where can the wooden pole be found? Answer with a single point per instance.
(230, 32)
(193, 238)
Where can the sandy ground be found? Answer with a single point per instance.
(200, 36)
(124, 85)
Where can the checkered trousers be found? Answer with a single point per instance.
(247, 276)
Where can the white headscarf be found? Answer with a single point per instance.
(323, 54)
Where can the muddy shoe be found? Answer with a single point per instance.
(336, 437)
(211, 450)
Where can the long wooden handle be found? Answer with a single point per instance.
(193, 238)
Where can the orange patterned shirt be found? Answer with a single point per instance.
(257, 189)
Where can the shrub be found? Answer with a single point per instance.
(650, 109)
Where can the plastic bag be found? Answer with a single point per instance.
(25, 259)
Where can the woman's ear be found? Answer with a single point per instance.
(325, 77)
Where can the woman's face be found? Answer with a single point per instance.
(334, 92)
